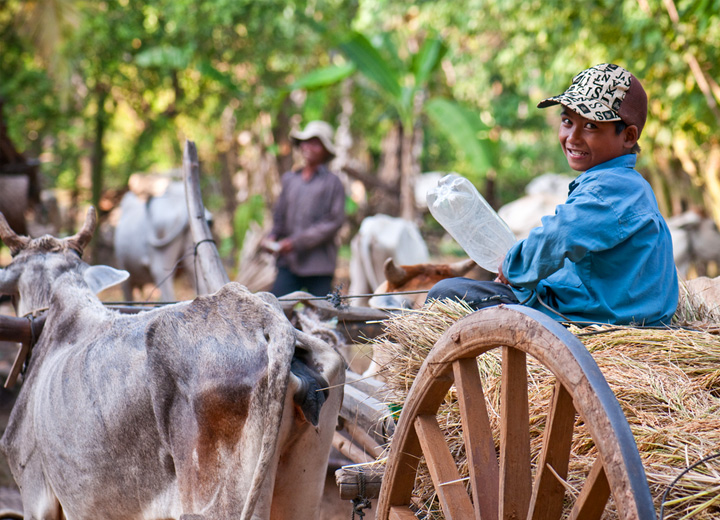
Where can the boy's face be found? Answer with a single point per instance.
(588, 143)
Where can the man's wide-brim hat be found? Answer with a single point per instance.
(319, 129)
(605, 92)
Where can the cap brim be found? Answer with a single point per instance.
(590, 109)
(297, 137)
(548, 102)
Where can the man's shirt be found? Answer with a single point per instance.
(310, 213)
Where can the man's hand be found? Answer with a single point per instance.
(501, 277)
(269, 244)
(286, 246)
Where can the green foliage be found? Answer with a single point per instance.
(464, 129)
(351, 207)
(323, 77)
(372, 65)
(163, 71)
(252, 210)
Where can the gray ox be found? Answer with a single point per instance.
(186, 411)
(151, 237)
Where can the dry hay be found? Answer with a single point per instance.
(666, 380)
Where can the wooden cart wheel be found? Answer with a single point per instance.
(503, 485)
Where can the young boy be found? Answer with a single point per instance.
(606, 254)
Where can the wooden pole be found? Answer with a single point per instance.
(211, 273)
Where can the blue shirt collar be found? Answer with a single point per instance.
(623, 161)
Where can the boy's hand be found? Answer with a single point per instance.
(501, 277)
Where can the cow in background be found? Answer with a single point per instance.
(188, 411)
(409, 278)
(381, 237)
(418, 277)
(696, 242)
(543, 194)
(152, 236)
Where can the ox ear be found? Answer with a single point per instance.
(100, 277)
(8, 281)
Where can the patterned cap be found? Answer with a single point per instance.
(605, 92)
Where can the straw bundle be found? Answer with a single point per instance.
(666, 380)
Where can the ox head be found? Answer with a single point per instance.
(38, 262)
(418, 277)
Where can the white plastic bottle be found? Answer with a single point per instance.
(466, 215)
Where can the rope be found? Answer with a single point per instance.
(360, 502)
(350, 296)
(195, 261)
(33, 339)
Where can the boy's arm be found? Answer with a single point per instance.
(586, 223)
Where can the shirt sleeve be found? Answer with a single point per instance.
(325, 229)
(585, 223)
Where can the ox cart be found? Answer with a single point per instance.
(505, 480)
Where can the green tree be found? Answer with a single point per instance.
(403, 85)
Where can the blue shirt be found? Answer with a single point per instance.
(605, 256)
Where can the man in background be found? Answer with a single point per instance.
(307, 216)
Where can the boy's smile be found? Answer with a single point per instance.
(588, 143)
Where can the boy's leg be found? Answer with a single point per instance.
(477, 294)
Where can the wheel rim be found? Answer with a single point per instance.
(503, 487)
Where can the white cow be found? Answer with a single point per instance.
(152, 238)
(188, 412)
(381, 237)
(543, 194)
(696, 242)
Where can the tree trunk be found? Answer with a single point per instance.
(386, 201)
(98, 159)
(407, 177)
(280, 132)
(98, 154)
(228, 160)
(712, 180)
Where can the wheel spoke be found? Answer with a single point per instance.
(515, 476)
(549, 492)
(401, 513)
(449, 487)
(590, 504)
(478, 439)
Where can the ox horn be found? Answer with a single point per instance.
(462, 267)
(79, 241)
(395, 274)
(15, 242)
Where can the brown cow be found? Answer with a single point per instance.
(408, 278)
(418, 277)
